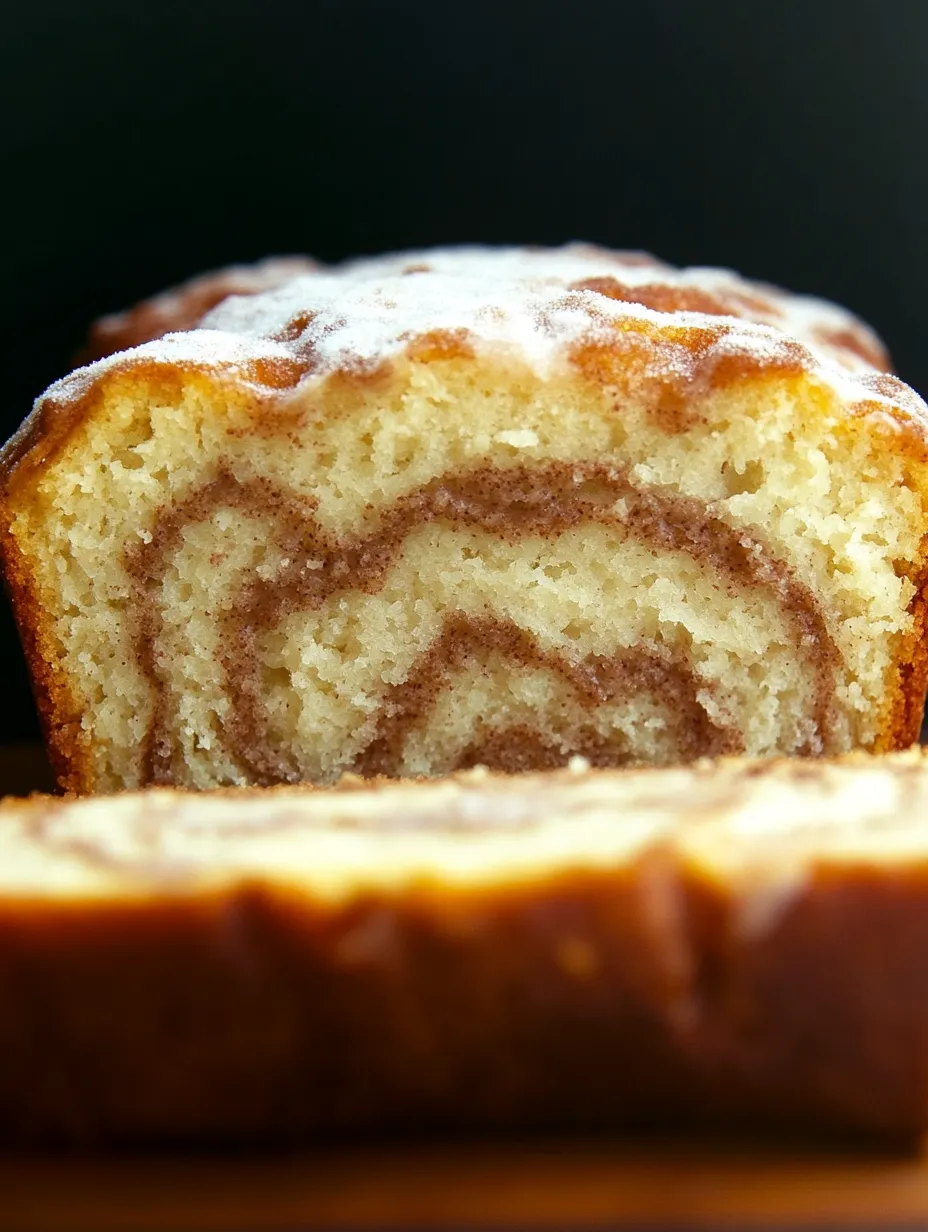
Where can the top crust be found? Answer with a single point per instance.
(543, 308)
(185, 306)
(754, 824)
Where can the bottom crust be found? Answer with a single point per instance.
(711, 947)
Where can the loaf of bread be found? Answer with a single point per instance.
(729, 944)
(426, 512)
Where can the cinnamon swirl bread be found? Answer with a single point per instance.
(713, 945)
(473, 507)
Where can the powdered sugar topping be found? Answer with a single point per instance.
(533, 305)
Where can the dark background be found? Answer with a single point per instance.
(144, 142)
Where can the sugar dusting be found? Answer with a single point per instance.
(183, 307)
(205, 348)
(523, 304)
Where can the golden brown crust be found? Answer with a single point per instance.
(59, 715)
(184, 306)
(248, 1020)
(906, 689)
(645, 991)
(754, 303)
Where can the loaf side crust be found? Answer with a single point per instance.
(731, 944)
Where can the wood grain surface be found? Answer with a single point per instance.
(569, 1184)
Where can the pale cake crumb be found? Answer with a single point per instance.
(449, 509)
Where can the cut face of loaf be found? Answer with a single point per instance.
(473, 507)
(734, 943)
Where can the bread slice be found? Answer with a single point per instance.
(729, 944)
(473, 507)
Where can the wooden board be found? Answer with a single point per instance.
(567, 1184)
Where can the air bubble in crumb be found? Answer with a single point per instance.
(519, 438)
(578, 764)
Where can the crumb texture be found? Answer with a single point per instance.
(473, 508)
